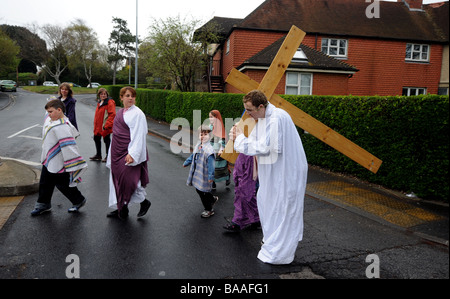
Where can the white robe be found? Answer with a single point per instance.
(137, 122)
(282, 172)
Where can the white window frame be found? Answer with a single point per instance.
(228, 46)
(416, 91)
(417, 52)
(330, 44)
(298, 84)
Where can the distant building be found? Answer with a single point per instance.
(352, 47)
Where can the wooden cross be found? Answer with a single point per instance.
(300, 118)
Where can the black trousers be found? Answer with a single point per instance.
(49, 181)
(207, 199)
(98, 144)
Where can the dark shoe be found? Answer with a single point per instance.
(96, 158)
(213, 186)
(253, 226)
(113, 214)
(104, 160)
(232, 227)
(37, 211)
(123, 213)
(145, 205)
(77, 207)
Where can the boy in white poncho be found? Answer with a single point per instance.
(62, 163)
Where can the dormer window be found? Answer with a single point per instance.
(300, 56)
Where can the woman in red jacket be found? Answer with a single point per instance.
(103, 123)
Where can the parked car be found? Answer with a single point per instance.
(49, 83)
(8, 85)
(94, 85)
(73, 84)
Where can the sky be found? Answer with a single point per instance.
(98, 14)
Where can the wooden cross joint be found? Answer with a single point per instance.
(300, 118)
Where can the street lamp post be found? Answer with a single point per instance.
(136, 62)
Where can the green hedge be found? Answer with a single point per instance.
(168, 105)
(182, 104)
(410, 134)
(114, 91)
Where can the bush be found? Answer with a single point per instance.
(25, 78)
(114, 92)
(410, 135)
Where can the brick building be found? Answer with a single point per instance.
(351, 47)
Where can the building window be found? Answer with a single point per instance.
(443, 91)
(299, 56)
(335, 47)
(228, 47)
(298, 83)
(413, 91)
(418, 53)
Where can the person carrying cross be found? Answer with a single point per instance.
(282, 171)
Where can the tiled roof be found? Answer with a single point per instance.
(439, 13)
(222, 25)
(316, 60)
(348, 18)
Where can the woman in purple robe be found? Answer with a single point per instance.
(128, 157)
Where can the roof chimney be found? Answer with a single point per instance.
(413, 4)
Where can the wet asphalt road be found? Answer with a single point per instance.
(172, 241)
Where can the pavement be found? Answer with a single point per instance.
(426, 219)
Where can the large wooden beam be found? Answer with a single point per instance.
(300, 118)
(281, 61)
(311, 125)
(268, 84)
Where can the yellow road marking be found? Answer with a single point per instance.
(393, 211)
(7, 207)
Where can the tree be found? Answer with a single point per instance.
(32, 47)
(120, 44)
(170, 53)
(26, 66)
(83, 46)
(57, 61)
(8, 54)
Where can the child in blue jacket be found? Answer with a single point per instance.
(201, 173)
